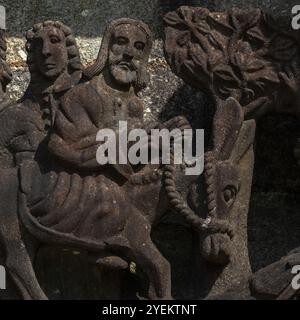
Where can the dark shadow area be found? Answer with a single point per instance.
(177, 242)
(67, 274)
(192, 278)
(274, 216)
(196, 106)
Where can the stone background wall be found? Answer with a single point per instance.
(274, 217)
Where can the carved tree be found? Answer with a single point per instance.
(241, 55)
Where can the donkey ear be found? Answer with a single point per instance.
(227, 123)
(244, 140)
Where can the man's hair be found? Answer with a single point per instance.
(72, 49)
(101, 61)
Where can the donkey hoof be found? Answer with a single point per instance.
(112, 262)
(216, 249)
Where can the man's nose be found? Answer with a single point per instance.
(129, 52)
(46, 49)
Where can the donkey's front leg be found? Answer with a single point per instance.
(157, 268)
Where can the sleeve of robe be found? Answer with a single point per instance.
(21, 130)
(73, 140)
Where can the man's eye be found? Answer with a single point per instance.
(121, 41)
(54, 40)
(139, 45)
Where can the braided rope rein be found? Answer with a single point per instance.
(210, 224)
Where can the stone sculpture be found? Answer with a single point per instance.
(55, 67)
(239, 54)
(80, 204)
(57, 169)
(273, 282)
(65, 197)
(54, 192)
(242, 55)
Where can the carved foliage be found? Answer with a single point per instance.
(238, 53)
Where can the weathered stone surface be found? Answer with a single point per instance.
(49, 147)
(273, 218)
(228, 55)
(89, 18)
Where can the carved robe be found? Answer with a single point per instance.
(24, 126)
(77, 196)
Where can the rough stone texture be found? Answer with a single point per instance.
(87, 17)
(274, 218)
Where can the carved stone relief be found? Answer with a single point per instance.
(239, 55)
(55, 193)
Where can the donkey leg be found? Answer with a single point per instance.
(19, 266)
(157, 268)
(17, 260)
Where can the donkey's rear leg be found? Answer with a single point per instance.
(17, 260)
(157, 268)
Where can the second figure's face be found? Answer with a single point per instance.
(50, 51)
(127, 53)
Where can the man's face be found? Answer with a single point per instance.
(126, 53)
(50, 51)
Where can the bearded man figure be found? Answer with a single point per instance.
(118, 74)
(110, 96)
(81, 190)
(74, 201)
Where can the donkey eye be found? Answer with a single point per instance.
(229, 193)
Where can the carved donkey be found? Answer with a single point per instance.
(129, 212)
(231, 139)
(124, 214)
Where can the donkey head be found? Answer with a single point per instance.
(232, 138)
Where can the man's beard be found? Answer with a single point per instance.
(122, 75)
